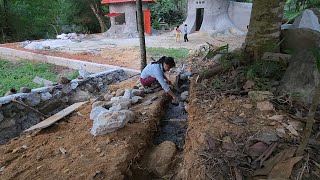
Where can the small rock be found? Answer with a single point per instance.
(249, 85)
(265, 106)
(228, 144)
(117, 106)
(154, 98)
(66, 171)
(297, 125)
(98, 150)
(266, 137)
(280, 132)
(136, 99)
(233, 97)
(242, 115)
(63, 80)
(62, 150)
(45, 96)
(292, 130)
(25, 147)
(39, 167)
(101, 154)
(247, 106)
(17, 150)
(273, 123)
(257, 149)
(137, 92)
(25, 90)
(108, 140)
(74, 85)
(33, 99)
(119, 92)
(259, 95)
(147, 103)
(276, 117)
(107, 97)
(184, 96)
(97, 104)
(11, 91)
(127, 94)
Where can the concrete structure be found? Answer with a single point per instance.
(123, 17)
(217, 15)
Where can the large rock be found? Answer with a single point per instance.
(137, 92)
(296, 40)
(96, 111)
(301, 77)
(107, 122)
(160, 158)
(316, 12)
(307, 19)
(79, 96)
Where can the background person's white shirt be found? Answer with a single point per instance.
(155, 71)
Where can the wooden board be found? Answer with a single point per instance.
(56, 117)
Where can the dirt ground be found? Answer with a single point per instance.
(210, 121)
(40, 156)
(125, 52)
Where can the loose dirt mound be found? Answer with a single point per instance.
(67, 150)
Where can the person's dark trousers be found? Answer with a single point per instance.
(186, 38)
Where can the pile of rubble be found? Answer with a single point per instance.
(22, 110)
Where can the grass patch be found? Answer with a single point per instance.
(21, 73)
(177, 54)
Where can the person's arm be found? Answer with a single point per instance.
(161, 79)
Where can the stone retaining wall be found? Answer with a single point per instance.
(15, 118)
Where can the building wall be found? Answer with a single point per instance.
(129, 8)
(239, 14)
(219, 15)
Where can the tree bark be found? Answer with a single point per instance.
(141, 35)
(264, 28)
(310, 122)
(95, 9)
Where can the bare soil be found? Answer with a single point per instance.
(40, 156)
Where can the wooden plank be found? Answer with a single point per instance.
(56, 117)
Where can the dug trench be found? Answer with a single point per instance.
(163, 157)
(67, 149)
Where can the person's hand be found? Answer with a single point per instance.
(175, 100)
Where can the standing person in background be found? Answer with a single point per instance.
(185, 31)
(178, 33)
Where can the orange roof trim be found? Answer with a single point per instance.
(121, 1)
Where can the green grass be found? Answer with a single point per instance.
(21, 73)
(177, 54)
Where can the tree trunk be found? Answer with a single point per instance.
(141, 35)
(95, 9)
(264, 29)
(310, 121)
